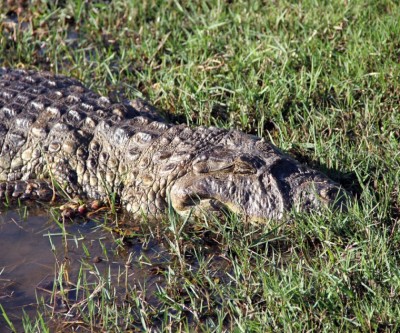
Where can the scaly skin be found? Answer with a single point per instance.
(54, 130)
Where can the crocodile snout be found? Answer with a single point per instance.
(316, 194)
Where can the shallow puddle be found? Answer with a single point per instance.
(35, 252)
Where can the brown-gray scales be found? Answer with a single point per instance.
(54, 130)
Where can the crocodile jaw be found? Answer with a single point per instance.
(250, 197)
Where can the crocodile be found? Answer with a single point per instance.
(56, 134)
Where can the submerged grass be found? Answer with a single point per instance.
(319, 79)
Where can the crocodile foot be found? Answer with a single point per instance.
(26, 190)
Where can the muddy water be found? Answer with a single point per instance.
(33, 248)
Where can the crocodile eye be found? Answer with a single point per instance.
(211, 166)
(243, 168)
(245, 165)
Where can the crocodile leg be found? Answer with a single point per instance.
(35, 189)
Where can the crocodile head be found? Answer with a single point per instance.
(246, 175)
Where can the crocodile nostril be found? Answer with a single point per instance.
(328, 193)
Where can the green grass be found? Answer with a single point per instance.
(319, 79)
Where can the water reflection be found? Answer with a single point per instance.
(34, 251)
